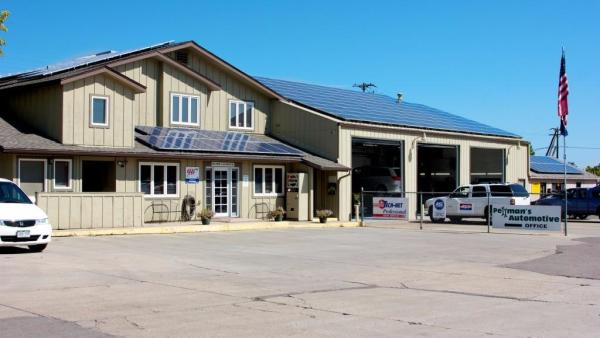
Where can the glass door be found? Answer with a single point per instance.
(222, 191)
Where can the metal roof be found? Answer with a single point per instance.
(551, 165)
(356, 106)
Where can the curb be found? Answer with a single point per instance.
(219, 227)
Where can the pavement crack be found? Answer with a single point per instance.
(292, 294)
(134, 324)
(213, 269)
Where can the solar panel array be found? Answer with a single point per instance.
(78, 62)
(550, 165)
(357, 106)
(197, 140)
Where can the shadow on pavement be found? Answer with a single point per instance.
(576, 261)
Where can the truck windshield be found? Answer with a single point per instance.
(10, 193)
(519, 190)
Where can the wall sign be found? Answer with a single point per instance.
(528, 217)
(389, 207)
(192, 175)
(222, 164)
(439, 209)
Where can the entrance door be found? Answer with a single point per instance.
(32, 176)
(225, 192)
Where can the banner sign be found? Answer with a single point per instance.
(528, 217)
(192, 175)
(439, 209)
(390, 207)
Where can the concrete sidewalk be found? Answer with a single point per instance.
(194, 226)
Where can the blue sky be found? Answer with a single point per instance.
(493, 61)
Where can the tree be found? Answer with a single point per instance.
(531, 151)
(3, 15)
(594, 170)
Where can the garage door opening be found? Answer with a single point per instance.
(437, 169)
(377, 165)
(487, 165)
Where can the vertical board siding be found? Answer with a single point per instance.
(38, 106)
(76, 127)
(86, 211)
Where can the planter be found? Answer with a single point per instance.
(278, 218)
(323, 219)
(206, 221)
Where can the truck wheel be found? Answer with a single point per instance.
(583, 217)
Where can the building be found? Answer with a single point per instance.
(546, 175)
(121, 139)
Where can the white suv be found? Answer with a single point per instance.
(22, 222)
(471, 201)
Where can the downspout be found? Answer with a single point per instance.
(338, 187)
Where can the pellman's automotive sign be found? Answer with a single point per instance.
(528, 217)
(390, 207)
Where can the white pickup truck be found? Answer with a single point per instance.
(471, 201)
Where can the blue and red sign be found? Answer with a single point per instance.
(389, 207)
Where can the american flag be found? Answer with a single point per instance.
(563, 92)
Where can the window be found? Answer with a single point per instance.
(159, 179)
(10, 193)
(268, 180)
(462, 192)
(479, 191)
(62, 174)
(184, 109)
(501, 190)
(241, 114)
(99, 111)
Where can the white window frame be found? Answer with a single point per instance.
(158, 164)
(180, 122)
(33, 160)
(264, 182)
(245, 103)
(106, 113)
(70, 186)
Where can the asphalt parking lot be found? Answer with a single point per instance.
(370, 282)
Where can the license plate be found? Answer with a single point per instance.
(23, 234)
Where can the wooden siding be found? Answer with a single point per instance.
(38, 107)
(214, 106)
(145, 107)
(8, 167)
(76, 113)
(305, 130)
(87, 210)
(516, 155)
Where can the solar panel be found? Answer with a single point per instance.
(181, 139)
(550, 165)
(368, 107)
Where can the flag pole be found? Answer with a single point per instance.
(565, 179)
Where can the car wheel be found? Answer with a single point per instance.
(583, 217)
(38, 247)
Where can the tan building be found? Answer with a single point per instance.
(546, 176)
(122, 139)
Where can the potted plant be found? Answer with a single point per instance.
(206, 215)
(323, 214)
(277, 214)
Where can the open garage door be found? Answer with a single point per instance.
(437, 168)
(377, 165)
(487, 165)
